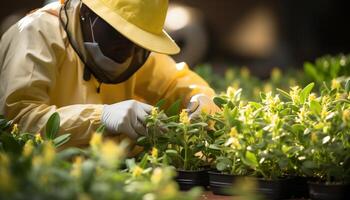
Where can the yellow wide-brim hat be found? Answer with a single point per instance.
(141, 21)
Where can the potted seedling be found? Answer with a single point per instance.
(185, 151)
(327, 152)
(228, 165)
(179, 142)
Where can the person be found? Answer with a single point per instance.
(94, 62)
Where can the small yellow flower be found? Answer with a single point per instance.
(4, 160)
(335, 84)
(37, 162)
(324, 112)
(157, 175)
(229, 74)
(28, 148)
(276, 74)
(292, 82)
(236, 84)
(6, 181)
(233, 132)
(211, 125)
(96, 141)
(184, 117)
(155, 111)
(256, 91)
(346, 116)
(245, 73)
(137, 171)
(15, 130)
(267, 87)
(314, 137)
(154, 152)
(38, 138)
(312, 96)
(169, 190)
(235, 144)
(110, 153)
(49, 153)
(76, 168)
(230, 91)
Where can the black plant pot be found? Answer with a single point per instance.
(321, 191)
(220, 183)
(298, 187)
(189, 179)
(273, 189)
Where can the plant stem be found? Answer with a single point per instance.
(186, 148)
(233, 169)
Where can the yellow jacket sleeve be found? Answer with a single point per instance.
(162, 78)
(30, 56)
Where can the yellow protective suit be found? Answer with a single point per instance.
(42, 74)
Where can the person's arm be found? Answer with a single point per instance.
(162, 78)
(31, 53)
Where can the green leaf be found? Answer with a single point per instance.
(172, 152)
(214, 147)
(298, 128)
(70, 153)
(308, 164)
(142, 141)
(326, 139)
(250, 160)
(88, 173)
(262, 96)
(223, 163)
(52, 126)
(255, 105)
(311, 71)
(4, 124)
(304, 94)
(315, 107)
(130, 163)
(101, 129)
(174, 109)
(143, 162)
(160, 103)
(219, 101)
(10, 145)
(335, 67)
(347, 86)
(284, 94)
(62, 139)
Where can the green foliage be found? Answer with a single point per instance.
(301, 134)
(32, 167)
(177, 138)
(327, 68)
(52, 126)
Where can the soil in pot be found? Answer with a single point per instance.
(220, 183)
(189, 179)
(322, 191)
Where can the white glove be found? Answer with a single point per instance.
(201, 103)
(126, 117)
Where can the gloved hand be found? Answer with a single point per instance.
(126, 117)
(201, 103)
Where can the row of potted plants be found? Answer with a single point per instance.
(32, 167)
(283, 142)
(323, 69)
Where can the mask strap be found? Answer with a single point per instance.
(91, 28)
